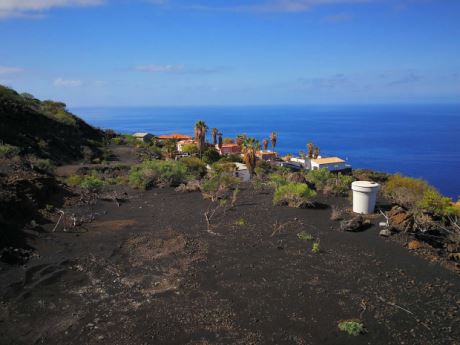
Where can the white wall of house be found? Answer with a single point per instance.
(329, 166)
(306, 163)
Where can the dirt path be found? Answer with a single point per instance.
(147, 272)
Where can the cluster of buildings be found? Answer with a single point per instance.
(333, 164)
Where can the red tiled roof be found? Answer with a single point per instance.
(175, 136)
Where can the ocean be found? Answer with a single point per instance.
(415, 140)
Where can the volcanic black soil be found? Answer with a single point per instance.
(149, 272)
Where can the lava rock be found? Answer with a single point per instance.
(400, 219)
(385, 233)
(355, 224)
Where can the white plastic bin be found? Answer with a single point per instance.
(364, 196)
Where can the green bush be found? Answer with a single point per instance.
(262, 168)
(211, 156)
(338, 185)
(117, 140)
(294, 195)
(90, 182)
(8, 151)
(352, 327)
(405, 191)
(45, 165)
(235, 158)
(305, 236)
(190, 148)
(277, 180)
(221, 167)
(158, 173)
(319, 177)
(435, 204)
(418, 196)
(195, 167)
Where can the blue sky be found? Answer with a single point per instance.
(222, 52)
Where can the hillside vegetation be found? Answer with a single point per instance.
(45, 129)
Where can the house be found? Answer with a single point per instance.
(144, 137)
(305, 163)
(330, 163)
(175, 136)
(266, 155)
(182, 143)
(229, 149)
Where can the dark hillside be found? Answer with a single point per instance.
(45, 128)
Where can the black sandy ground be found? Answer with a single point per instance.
(148, 272)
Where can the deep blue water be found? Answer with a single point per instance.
(416, 140)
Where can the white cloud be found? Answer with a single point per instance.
(67, 82)
(156, 68)
(10, 70)
(291, 6)
(20, 8)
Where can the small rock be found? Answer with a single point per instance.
(385, 233)
(355, 224)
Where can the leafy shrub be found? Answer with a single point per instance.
(158, 173)
(8, 151)
(210, 156)
(262, 168)
(319, 177)
(305, 236)
(221, 167)
(277, 180)
(352, 327)
(240, 222)
(195, 167)
(435, 204)
(89, 182)
(405, 191)
(236, 158)
(338, 185)
(293, 195)
(315, 247)
(117, 140)
(44, 165)
(217, 182)
(190, 148)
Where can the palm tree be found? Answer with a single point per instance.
(250, 147)
(273, 138)
(240, 139)
(316, 152)
(265, 144)
(200, 135)
(310, 149)
(220, 140)
(214, 136)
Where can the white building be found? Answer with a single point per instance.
(330, 163)
(145, 137)
(305, 163)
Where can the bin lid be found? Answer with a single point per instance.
(367, 185)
